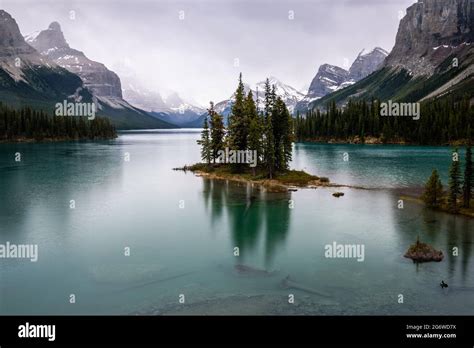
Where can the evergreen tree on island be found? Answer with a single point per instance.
(269, 142)
(255, 127)
(238, 125)
(205, 142)
(268, 135)
(282, 134)
(217, 132)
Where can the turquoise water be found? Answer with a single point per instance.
(182, 231)
(387, 166)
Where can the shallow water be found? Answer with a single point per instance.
(188, 249)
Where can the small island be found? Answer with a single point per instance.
(422, 252)
(280, 182)
(256, 145)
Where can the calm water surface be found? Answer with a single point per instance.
(176, 249)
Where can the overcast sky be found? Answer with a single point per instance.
(196, 55)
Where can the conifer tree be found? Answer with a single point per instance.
(205, 142)
(238, 127)
(433, 190)
(282, 134)
(468, 183)
(454, 183)
(217, 132)
(255, 127)
(269, 142)
(288, 138)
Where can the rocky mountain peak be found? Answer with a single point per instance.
(11, 40)
(55, 26)
(428, 25)
(366, 63)
(49, 39)
(331, 78)
(52, 44)
(327, 80)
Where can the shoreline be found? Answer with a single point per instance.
(277, 185)
(373, 141)
(49, 140)
(273, 183)
(416, 199)
(281, 183)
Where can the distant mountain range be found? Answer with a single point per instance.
(433, 57)
(290, 95)
(331, 78)
(172, 109)
(28, 77)
(103, 85)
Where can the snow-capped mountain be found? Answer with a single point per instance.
(172, 108)
(433, 58)
(290, 95)
(16, 55)
(327, 80)
(141, 97)
(97, 78)
(430, 32)
(367, 63)
(331, 78)
(26, 77)
(95, 81)
(177, 104)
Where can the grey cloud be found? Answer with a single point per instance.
(195, 56)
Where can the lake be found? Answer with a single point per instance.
(121, 231)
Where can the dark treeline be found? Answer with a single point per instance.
(27, 124)
(440, 122)
(460, 188)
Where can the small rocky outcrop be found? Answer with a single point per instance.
(422, 252)
(338, 194)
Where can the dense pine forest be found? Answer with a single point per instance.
(267, 130)
(27, 124)
(441, 122)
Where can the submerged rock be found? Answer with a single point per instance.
(422, 252)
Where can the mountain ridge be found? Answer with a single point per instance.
(415, 69)
(331, 78)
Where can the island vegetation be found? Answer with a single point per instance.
(422, 252)
(27, 124)
(458, 199)
(266, 133)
